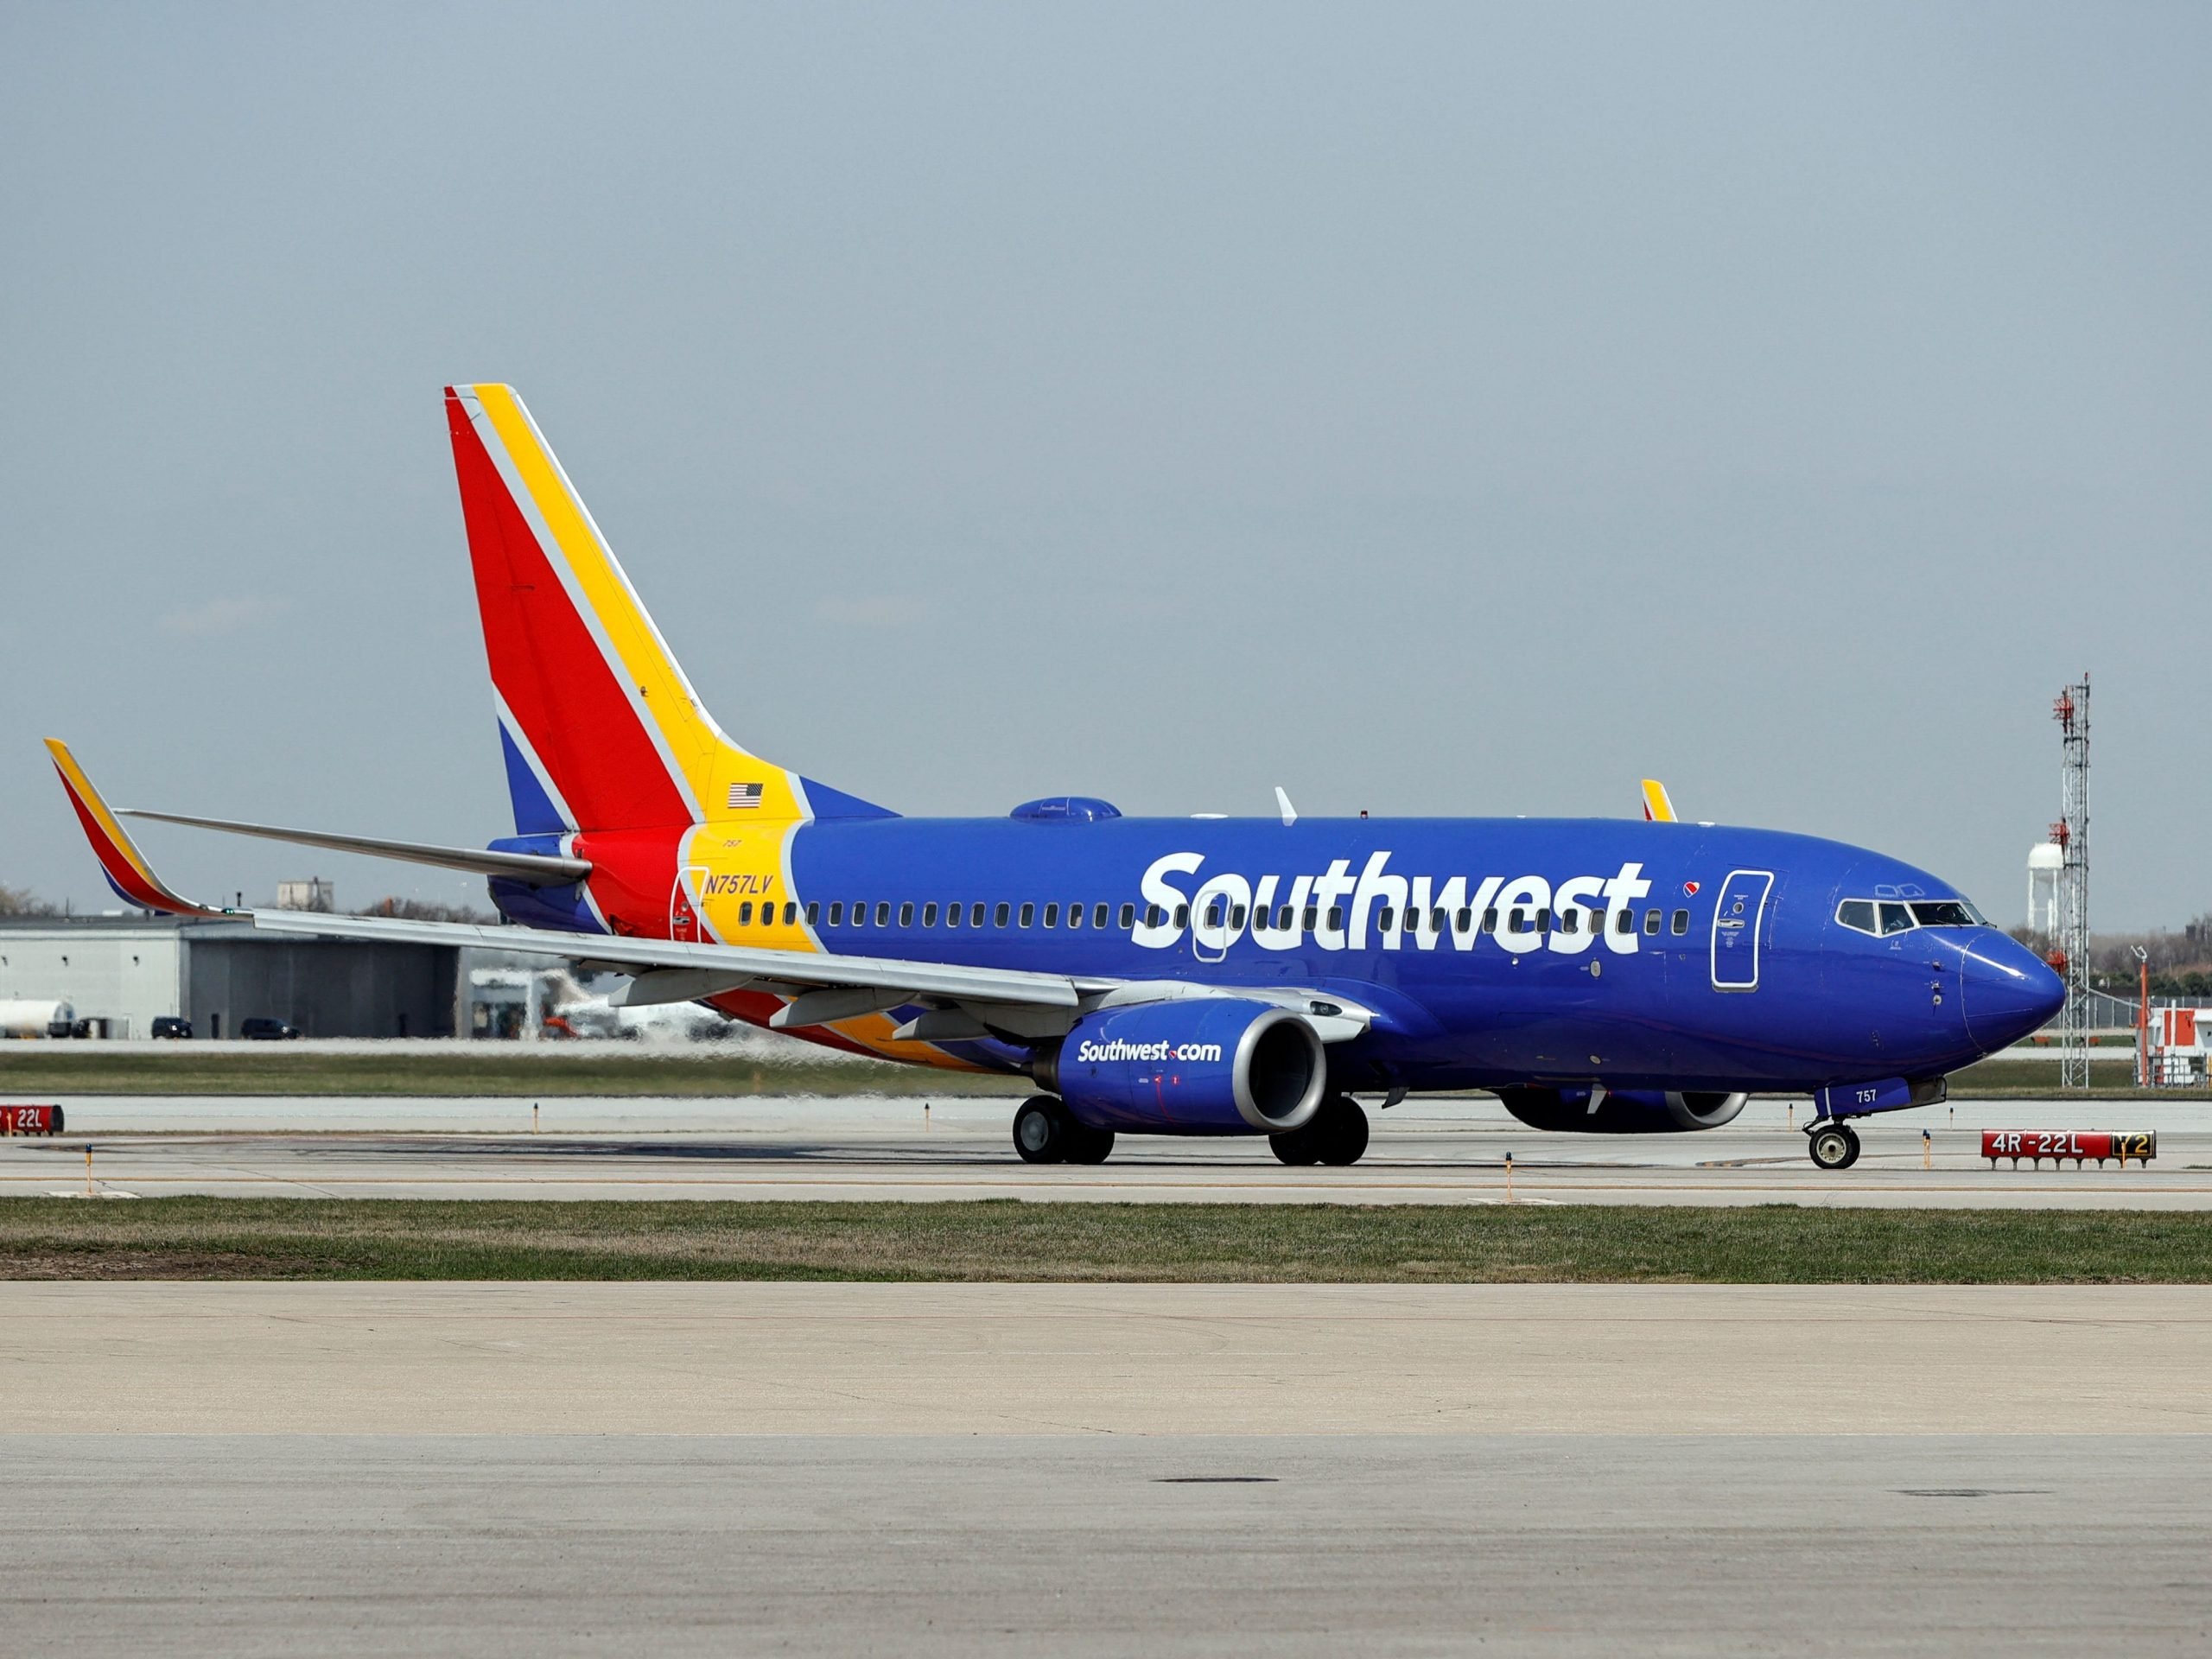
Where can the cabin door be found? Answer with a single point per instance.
(1736, 928)
(684, 901)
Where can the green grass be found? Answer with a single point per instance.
(287, 1071)
(2110, 1077)
(231, 1238)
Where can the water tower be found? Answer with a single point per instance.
(2045, 860)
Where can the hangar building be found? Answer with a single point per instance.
(129, 970)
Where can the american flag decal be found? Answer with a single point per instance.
(742, 796)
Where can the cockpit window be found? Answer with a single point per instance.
(1946, 913)
(1856, 913)
(1896, 918)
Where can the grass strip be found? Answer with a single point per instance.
(1007, 1240)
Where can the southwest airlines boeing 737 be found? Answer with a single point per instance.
(1157, 975)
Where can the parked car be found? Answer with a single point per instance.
(261, 1028)
(170, 1024)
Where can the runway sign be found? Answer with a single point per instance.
(30, 1120)
(2081, 1145)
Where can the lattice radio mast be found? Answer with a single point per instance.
(2071, 834)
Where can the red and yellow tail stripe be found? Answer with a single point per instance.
(124, 866)
(577, 659)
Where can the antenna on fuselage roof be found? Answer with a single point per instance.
(1282, 805)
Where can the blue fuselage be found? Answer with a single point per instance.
(1560, 951)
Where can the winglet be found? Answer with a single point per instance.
(1657, 808)
(124, 866)
(1282, 805)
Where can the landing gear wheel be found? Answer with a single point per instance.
(1335, 1134)
(1041, 1131)
(1833, 1145)
(1852, 1135)
(1345, 1131)
(1087, 1144)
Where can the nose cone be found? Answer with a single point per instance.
(2007, 994)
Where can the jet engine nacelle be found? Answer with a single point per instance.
(1204, 1065)
(1622, 1111)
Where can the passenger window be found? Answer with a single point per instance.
(1463, 920)
(953, 915)
(1681, 921)
(1623, 920)
(860, 913)
(1029, 915)
(1051, 915)
(1128, 915)
(1312, 917)
(1436, 920)
(745, 914)
(1236, 918)
(767, 915)
(1896, 918)
(1856, 913)
(1075, 915)
(1387, 918)
(791, 912)
(906, 914)
(1490, 921)
(1213, 915)
(929, 915)
(1515, 920)
(999, 916)
(1651, 920)
(1098, 913)
(1544, 919)
(836, 915)
(814, 912)
(975, 915)
(883, 914)
(1570, 921)
(1182, 915)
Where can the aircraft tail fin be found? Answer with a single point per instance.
(599, 726)
(1658, 807)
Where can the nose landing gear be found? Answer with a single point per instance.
(1833, 1145)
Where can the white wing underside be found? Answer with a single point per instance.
(826, 987)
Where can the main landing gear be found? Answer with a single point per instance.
(1335, 1134)
(1833, 1145)
(1045, 1132)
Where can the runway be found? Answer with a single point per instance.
(1435, 1152)
(1104, 1470)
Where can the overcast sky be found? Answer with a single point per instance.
(1452, 410)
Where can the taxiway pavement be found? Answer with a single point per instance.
(548, 1468)
(1428, 1152)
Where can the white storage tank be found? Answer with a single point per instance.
(35, 1017)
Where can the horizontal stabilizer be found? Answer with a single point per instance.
(537, 869)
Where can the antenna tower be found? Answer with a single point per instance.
(2071, 833)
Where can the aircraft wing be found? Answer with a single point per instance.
(822, 987)
(704, 969)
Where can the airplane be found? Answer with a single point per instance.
(1189, 977)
